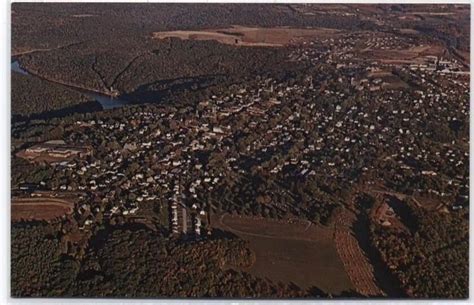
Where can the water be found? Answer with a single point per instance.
(16, 67)
(105, 101)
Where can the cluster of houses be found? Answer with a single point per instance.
(185, 221)
(320, 127)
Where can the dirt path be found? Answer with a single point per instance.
(19, 53)
(80, 89)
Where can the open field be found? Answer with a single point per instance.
(291, 252)
(39, 208)
(415, 54)
(249, 36)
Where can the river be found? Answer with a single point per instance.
(107, 102)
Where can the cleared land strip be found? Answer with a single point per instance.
(251, 36)
(24, 51)
(355, 262)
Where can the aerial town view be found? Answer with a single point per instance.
(314, 151)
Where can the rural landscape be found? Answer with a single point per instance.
(307, 151)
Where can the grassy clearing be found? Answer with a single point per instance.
(291, 252)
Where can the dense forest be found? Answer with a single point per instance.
(32, 96)
(432, 260)
(129, 20)
(136, 262)
(140, 65)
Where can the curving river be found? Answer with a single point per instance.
(106, 101)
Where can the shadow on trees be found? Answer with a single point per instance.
(157, 91)
(405, 212)
(87, 107)
(383, 276)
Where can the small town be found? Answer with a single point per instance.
(346, 153)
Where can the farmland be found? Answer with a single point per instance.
(295, 252)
